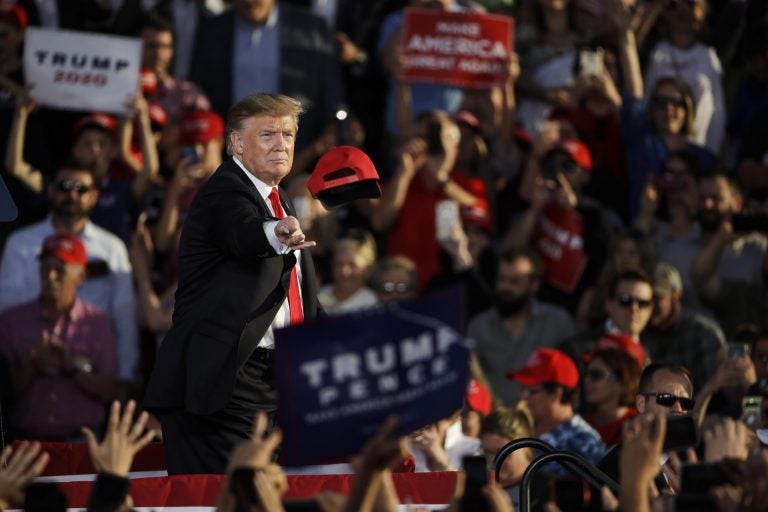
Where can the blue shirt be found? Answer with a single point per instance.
(577, 436)
(256, 57)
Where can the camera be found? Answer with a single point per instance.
(435, 139)
(681, 433)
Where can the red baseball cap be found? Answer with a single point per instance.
(67, 248)
(622, 342)
(343, 174)
(200, 126)
(547, 365)
(478, 397)
(96, 120)
(577, 150)
(14, 14)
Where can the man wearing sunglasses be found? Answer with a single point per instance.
(72, 195)
(665, 389)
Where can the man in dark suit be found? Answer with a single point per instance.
(262, 46)
(243, 271)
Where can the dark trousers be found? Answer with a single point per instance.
(202, 444)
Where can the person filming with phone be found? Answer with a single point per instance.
(423, 178)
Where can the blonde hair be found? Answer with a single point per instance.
(361, 242)
(258, 104)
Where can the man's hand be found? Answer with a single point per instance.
(49, 356)
(122, 441)
(288, 232)
(726, 439)
(17, 470)
(641, 451)
(382, 451)
(256, 453)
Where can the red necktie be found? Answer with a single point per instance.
(294, 297)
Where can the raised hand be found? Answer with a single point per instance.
(122, 441)
(17, 470)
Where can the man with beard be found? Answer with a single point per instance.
(730, 264)
(506, 335)
(675, 334)
(72, 194)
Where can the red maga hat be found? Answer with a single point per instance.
(200, 126)
(547, 365)
(14, 14)
(344, 174)
(67, 248)
(478, 397)
(96, 120)
(616, 341)
(577, 150)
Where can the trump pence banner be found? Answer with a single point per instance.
(464, 49)
(81, 71)
(339, 378)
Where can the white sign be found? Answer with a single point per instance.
(81, 70)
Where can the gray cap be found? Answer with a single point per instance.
(666, 279)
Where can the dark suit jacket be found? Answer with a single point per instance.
(231, 284)
(309, 69)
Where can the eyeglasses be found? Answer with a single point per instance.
(69, 186)
(390, 287)
(626, 301)
(668, 400)
(595, 374)
(665, 101)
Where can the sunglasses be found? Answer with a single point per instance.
(626, 301)
(595, 374)
(390, 287)
(69, 186)
(668, 400)
(665, 101)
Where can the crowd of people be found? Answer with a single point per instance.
(604, 211)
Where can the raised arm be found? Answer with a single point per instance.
(14, 156)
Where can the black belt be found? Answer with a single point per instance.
(264, 355)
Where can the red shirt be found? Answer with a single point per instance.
(55, 407)
(413, 233)
(611, 433)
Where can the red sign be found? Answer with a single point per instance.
(464, 49)
(560, 243)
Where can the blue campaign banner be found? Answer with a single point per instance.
(339, 378)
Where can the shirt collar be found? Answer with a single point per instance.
(272, 19)
(263, 188)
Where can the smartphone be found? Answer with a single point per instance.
(748, 222)
(435, 139)
(191, 154)
(700, 478)
(752, 411)
(446, 218)
(591, 62)
(738, 350)
(476, 471)
(570, 493)
(681, 433)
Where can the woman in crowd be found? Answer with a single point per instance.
(352, 263)
(610, 385)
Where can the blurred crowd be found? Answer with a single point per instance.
(605, 210)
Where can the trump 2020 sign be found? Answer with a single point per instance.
(80, 70)
(339, 378)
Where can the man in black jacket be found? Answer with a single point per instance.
(243, 272)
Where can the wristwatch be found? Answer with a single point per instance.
(81, 364)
